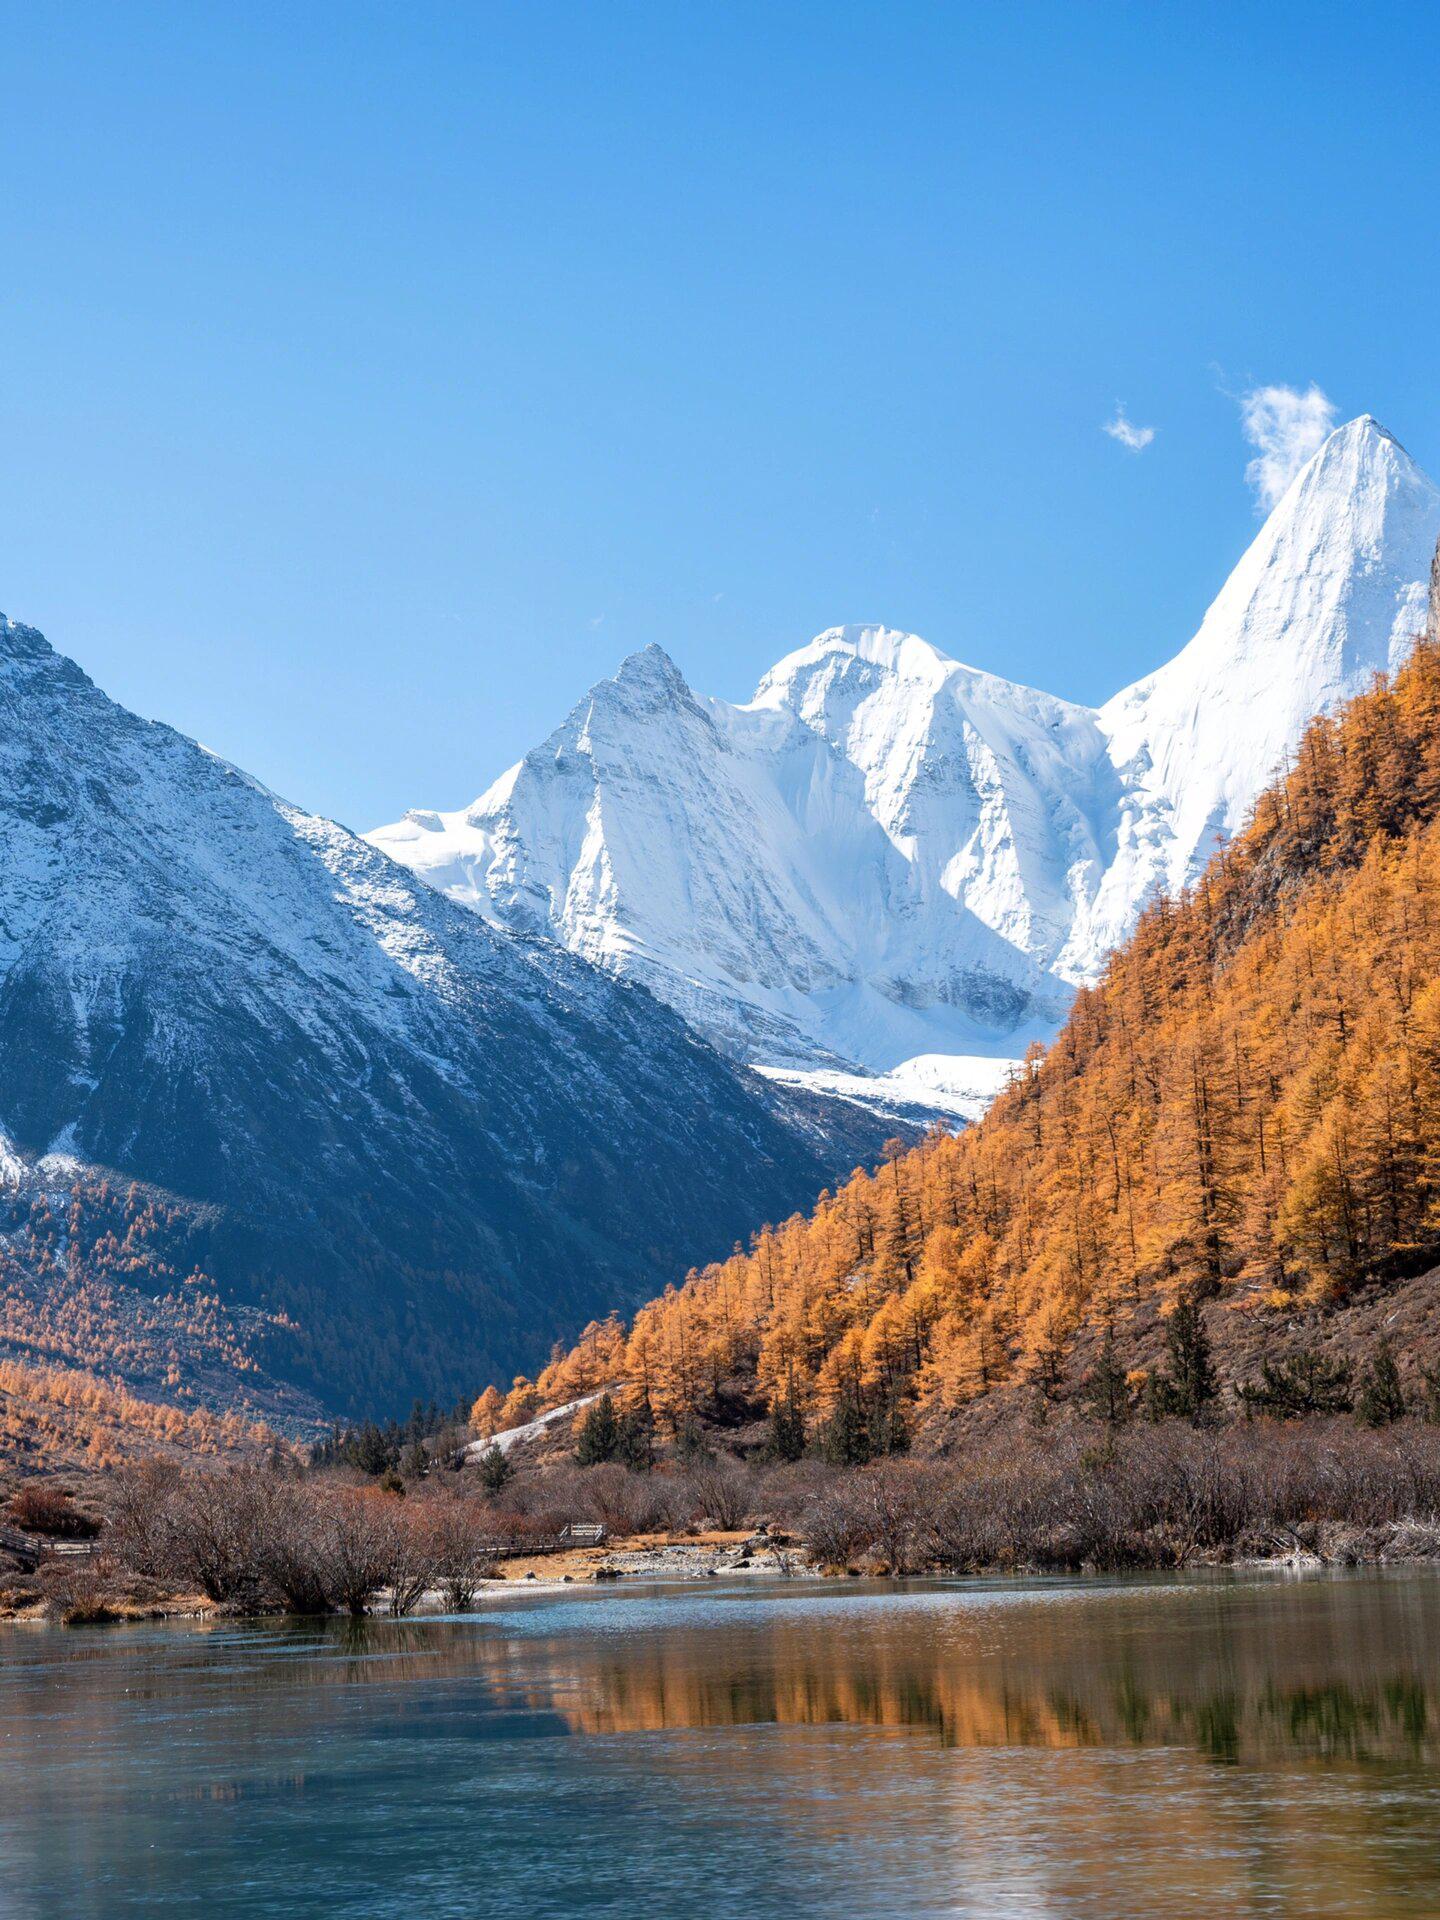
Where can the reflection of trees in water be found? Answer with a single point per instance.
(1295, 1672)
(1339, 1721)
(1324, 1671)
(1091, 1751)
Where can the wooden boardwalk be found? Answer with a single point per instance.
(25, 1547)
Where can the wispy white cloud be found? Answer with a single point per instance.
(1134, 439)
(1285, 425)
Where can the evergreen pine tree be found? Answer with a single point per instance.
(1106, 1392)
(845, 1437)
(787, 1427)
(1050, 1368)
(369, 1450)
(1192, 1385)
(635, 1442)
(495, 1470)
(599, 1433)
(1381, 1398)
(1302, 1383)
(691, 1446)
(885, 1430)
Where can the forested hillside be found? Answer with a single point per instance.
(1245, 1112)
(59, 1418)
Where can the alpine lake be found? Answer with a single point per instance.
(1251, 1743)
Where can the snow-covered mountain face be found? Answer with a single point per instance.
(1332, 592)
(890, 864)
(424, 1148)
(865, 863)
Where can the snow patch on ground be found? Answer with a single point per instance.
(510, 1437)
(947, 1086)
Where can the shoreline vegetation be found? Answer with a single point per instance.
(278, 1537)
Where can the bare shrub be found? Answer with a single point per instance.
(893, 1498)
(214, 1531)
(1190, 1480)
(413, 1554)
(528, 1492)
(462, 1549)
(623, 1501)
(1168, 1494)
(835, 1525)
(80, 1592)
(292, 1555)
(983, 1517)
(360, 1543)
(139, 1528)
(783, 1491)
(42, 1507)
(1415, 1449)
(719, 1493)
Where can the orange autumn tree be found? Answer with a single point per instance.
(1246, 1106)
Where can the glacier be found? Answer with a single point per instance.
(885, 876)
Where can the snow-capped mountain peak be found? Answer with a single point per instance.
(1331, 591)
(647, 675)
(887, 855)
(903, 655)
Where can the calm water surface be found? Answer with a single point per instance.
(1236, 1746)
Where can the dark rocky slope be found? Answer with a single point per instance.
(413, 1150)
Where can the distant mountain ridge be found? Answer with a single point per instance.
(889, 863)
(398, 1144)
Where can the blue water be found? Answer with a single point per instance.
(1239, 1746)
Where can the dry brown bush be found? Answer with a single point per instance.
(623, 1501)
(355, 1542)
(42, 1507)
(138, 1525)
(834, 1525)
(462, 1536)
(720, 1493)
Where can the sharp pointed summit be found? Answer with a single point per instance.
(648, 671)
(1331, 592)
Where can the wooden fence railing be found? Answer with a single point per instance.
(25, 1547)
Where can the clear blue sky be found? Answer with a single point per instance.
(375, 377)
